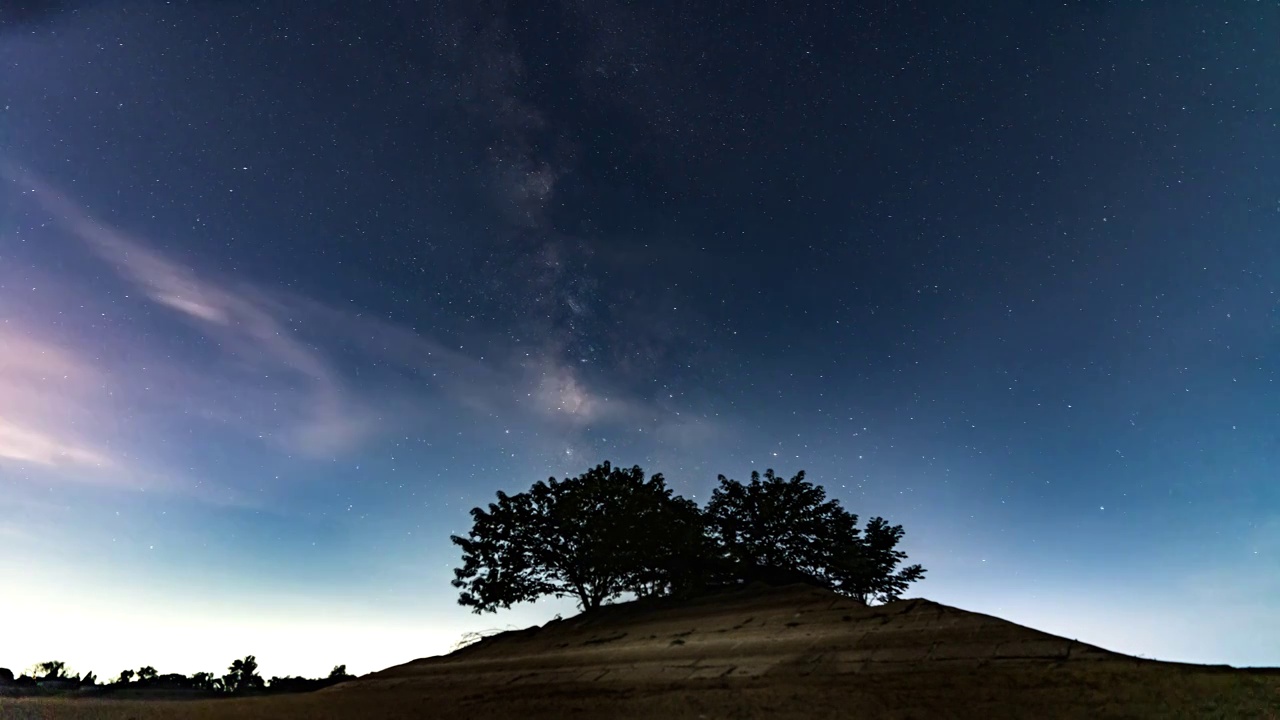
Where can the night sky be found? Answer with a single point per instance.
(287, 288)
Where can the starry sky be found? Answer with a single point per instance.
(287, 288)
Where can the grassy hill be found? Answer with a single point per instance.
(792, 652)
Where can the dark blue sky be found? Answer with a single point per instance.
(286, 289)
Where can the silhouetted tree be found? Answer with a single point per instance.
(203, 681)
(291, 684)
(611, 531)
(6, 675)
(780, 531)
(868, 571)
(175, 680)
(126, 676)
(147, 673)
(592, 537)
(243, 676)
(89, 679)
(679, 557)
(51, 670)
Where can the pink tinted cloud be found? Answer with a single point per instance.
(26, 445)
(63, 417)
(46, 396)
(272, 376)
(321, 419)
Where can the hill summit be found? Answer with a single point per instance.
(802, 651)
(755, 652)
(760, 630)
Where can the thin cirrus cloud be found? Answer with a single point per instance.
(74, 401)
(316, 416)
(43, 393)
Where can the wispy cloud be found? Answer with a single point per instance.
(244, 321)
(25, 445)
(44, 394)
(65, 415)
(279, 370)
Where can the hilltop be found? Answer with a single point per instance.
(801, 651)
(796, 629)
(760, 652)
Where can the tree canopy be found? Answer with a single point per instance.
(612, 531)
(780, 530)
(592, 537)
(206, 681)
(242, 676)
(51, 670)
(868, 571)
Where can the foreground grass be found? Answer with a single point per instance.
(1107, 691)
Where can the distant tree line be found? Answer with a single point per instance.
(241, 678)
(614, 531)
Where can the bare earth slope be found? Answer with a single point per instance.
(796, 630)
(794, 652)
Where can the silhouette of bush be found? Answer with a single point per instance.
(291, 684)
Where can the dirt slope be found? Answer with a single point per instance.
(794, 652)
(796, 630)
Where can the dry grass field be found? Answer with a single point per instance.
(783, 653)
